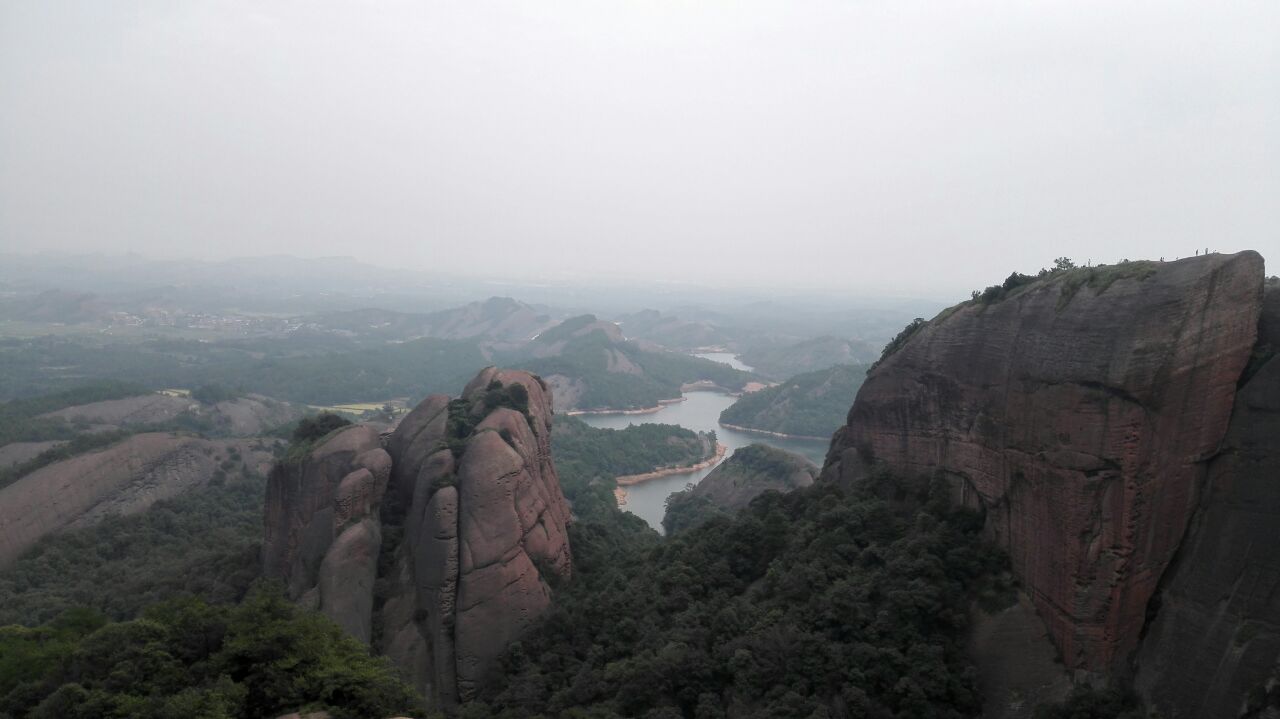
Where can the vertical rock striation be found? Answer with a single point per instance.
(1213, 648)
(322, 530)
(442, 548)
(1079, 412)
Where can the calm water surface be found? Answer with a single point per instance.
(699, 412)
(725, 358)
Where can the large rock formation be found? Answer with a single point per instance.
(1080, 412)
(438, 544)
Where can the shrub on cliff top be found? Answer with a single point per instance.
(310, 431)
(1101, 277)
(898, 341)
(995, 293)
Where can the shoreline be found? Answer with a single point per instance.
(781, 435)
(662, 404)
(627, 480)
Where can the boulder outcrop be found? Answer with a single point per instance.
(439, 543)
(1081, 412)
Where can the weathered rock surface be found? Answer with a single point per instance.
(465, 510)
(1080, 417)
(123, 479)
(308, 510)
(1017, 663)
(1213, 649)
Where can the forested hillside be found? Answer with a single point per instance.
(815, 603)
(749, 472)
(591, 366)
(810, 405)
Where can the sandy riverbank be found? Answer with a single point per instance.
(752, 430)
(630, 479)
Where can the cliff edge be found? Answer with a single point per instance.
(1081, 412)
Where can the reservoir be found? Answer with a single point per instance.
(699, 412)
(725, 358)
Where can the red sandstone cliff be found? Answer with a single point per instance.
(1080, 416)
(1213, 649)
(463, 507)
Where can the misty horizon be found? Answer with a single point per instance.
(915, 150)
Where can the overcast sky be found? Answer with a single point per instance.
(901, 147)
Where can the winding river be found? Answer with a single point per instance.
(699, 412)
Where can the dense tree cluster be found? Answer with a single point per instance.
(588, 459)
(186, 658)
(204, 543)
(749, 471)
(309, 431)
(686, 510)
(812, 404)
(814, 603)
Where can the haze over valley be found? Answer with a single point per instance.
(639, 359)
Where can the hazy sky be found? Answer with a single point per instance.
(878, 146)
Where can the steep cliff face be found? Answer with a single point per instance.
(1213, 649)
(459, 522)
(1079, 411)
(322, 530)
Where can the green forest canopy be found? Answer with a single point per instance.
(812, 405)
